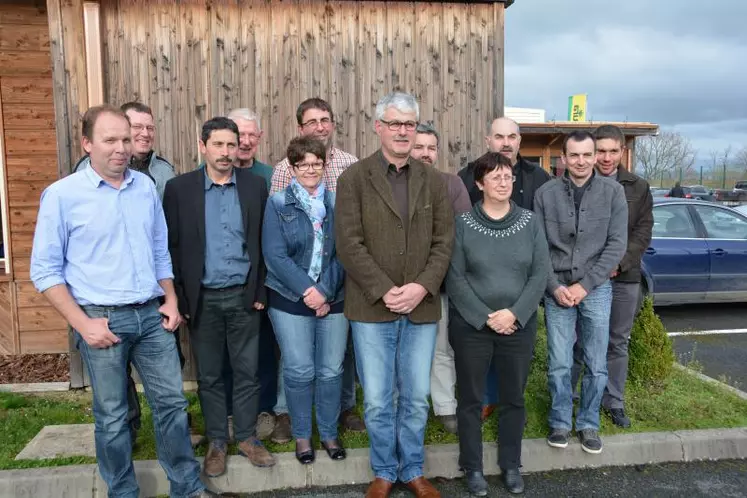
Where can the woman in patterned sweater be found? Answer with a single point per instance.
(497, 276)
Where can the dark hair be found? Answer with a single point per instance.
(577, 136)
(313, 103)
(428, 129)
(215, 124)
(300, 146)
(611, 132)
(488, 162)
(92, 115)
(137, 107)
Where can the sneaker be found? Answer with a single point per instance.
(476, 483)
(215, 460)
(256, 453)
(590, 441)
(449, 422)
(265, 425)
(618, 417)
(281, 434)
(350, 421)
(558, 438)
(513, 481)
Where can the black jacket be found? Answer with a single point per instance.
(532, 178)
(184, 207)
(640, 223)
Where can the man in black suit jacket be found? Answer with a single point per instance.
(214, 216)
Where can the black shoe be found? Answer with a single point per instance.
(476, 483)
(558, 438)
(305, 457)
(513, 481)
(590, 441)
(336, 453)
(618, 417)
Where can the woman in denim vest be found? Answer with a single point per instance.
(305, 281)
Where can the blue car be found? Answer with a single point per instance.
(698, 254)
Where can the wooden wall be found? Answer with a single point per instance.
(192, 60)
(30, 148)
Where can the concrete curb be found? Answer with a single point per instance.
(440, 461)
(35, 387)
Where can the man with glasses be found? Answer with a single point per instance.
(316, 119)
(159, 170)
(395, 229)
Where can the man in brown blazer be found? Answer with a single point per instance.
(395, 228)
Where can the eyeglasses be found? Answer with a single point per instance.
(501, 179)
(139, 128)
(316, 122)
(396, 125)
(250, 136)
(316, 166)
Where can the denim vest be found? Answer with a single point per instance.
(288, 234)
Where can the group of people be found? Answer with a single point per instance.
(424, 283)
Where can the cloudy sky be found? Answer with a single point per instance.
(679, 63)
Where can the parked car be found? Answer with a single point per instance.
(698, 254)
(742, 209)
(734, 196)
(659, 192)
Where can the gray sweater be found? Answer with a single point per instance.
(497, 264)
(588, 251)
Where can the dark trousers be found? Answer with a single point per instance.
(267, 369)
(226, 332)
(622, 315)
(474, 350)
(133, 401)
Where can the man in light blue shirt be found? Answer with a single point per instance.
(100, 256)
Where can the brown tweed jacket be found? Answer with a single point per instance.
(378, 253)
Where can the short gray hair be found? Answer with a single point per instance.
(245, 114)
(403, 102)
(428, 129)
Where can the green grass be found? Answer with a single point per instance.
(680, 402)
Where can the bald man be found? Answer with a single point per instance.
(503, 136)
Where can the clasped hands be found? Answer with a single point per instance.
(570, 296)
(402, 300)
(502, 322)
(316, 301)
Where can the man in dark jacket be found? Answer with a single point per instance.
(626, 278)
(504, 137)
(677, 191)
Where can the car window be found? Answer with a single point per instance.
(722, 224)
(673, 222)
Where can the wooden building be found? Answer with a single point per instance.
(194, 59)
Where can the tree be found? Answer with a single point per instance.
(666, 152)
(740, 159)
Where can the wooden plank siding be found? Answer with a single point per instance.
(193, 60)
(27, 322)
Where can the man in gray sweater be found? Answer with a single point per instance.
(585, 217)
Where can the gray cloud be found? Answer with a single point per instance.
(679, 63)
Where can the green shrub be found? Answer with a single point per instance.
(650, 349)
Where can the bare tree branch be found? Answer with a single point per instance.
(664, 153)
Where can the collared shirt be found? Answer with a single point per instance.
(108, 245)
(399, 180)
(337, 162)
(226, 260)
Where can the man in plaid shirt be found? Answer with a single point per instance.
(316, 119)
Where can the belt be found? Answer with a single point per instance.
(133, 306)
(224, 289)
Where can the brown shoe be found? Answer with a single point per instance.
(281, 434)
(215, 460)
(350, 421)
(422, 488)
(256, 453)
(487, 411)
(379, 488)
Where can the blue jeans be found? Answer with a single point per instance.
(152, 351)
(313, 350)
(594, 316)
(397, 355)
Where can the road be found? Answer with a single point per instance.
(726, 479)
(723, 356)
